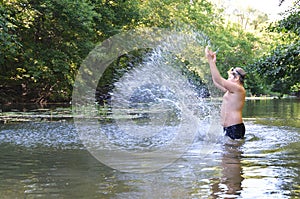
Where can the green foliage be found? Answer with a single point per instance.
(280, 67)
(290, 23)
(115, 15)
(54, 35)
(8, 38)
(43, 42)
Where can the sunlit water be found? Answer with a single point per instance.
(44, 159)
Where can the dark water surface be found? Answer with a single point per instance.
(42, 157)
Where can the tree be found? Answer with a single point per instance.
(280, 67)
(45, 42)
(54, 37)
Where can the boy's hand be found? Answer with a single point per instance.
(210, 55)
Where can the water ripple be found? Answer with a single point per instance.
(34, 134)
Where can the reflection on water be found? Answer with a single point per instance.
(47, 160)
(283, 112)
(230, 183)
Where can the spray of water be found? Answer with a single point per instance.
(157, 114)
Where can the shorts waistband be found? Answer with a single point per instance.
(233, 126)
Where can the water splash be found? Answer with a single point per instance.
(157, 112)
(149, 102)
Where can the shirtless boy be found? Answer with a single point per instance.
(233, 99)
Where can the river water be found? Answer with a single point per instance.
(43, 157)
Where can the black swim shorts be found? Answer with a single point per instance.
(235, 131)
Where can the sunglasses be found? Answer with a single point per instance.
(235, 72)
